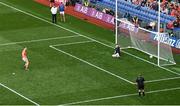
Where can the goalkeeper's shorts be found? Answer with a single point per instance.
(141, 87)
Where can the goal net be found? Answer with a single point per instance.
(135, 39)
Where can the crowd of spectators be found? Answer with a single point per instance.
(169, 7)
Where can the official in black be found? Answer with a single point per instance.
(140, 84)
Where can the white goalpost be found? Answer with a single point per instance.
(158, 32)
(153, 43)
(116, 17)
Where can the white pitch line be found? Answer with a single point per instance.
(19, 94)
(165, 79)
(64, 44)
(83, 36)
(91, 64)
(86, 37)
(120, 96)
(169, 70)
(150, 81)
(38, 40)
(152, 63)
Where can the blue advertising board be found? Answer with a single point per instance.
(164, 38)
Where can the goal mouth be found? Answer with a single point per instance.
(146, 41)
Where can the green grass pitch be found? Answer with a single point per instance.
(71, 63)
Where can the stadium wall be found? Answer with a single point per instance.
(70, 11)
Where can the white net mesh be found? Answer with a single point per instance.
(145, 41)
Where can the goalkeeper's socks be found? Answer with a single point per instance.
(139, 93)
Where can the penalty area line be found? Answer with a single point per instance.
(72, 43)
(165, 79)
(120, 96)
(39, 40)
(108, 72)
(19, 94)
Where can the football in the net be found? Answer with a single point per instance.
(151, 56)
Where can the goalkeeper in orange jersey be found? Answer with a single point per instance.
(25, 59)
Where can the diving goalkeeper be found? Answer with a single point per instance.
(117, 51)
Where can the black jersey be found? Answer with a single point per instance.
(117, 50)
(140, 81)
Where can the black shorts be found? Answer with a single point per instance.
(141, 87)
(52, 1)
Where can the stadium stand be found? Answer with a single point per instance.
(143, 13)
(147, 14)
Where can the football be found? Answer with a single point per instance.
(150, 56)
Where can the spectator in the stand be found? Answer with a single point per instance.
(143, 3)
(51, 3)
(171, 34)
(176, 23)
(164, 3)
(151, 26)
(170, 25)
(86, 3)
(148, 4)
(67, 2)
(136, 2)
(173, 12)
(73, 2)
(176, 8)
(155, 5)
(150, 1)
(161, 29)
(170, 7)
(127, 16)
(111, 12)
(164, 10)
(135, 21)
(106, 10)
